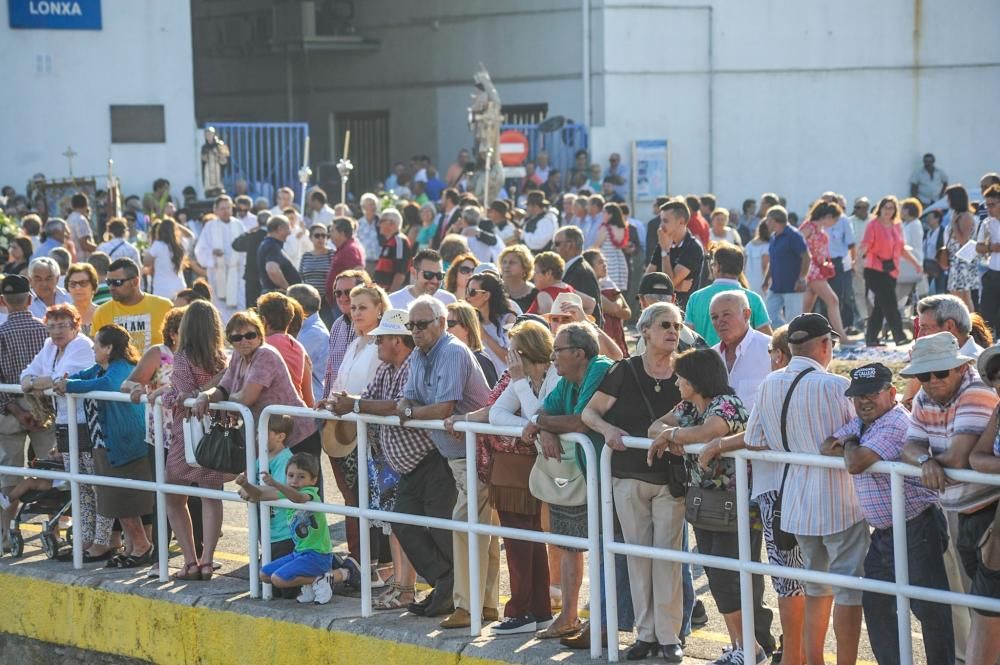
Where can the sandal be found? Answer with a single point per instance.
(117, 561)
(138, 561)
(205, 571)
(553, 632)
(187, 573)
(391, 600)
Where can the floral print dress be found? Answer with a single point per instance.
(820, 264)
(721, 474)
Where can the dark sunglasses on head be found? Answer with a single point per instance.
(115, 283)
(924, 377)
(239, 338)
(419, 325)
(465, 270)
(671, 325)
(430, 275)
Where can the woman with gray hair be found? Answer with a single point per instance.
(649, 499)
(428, 225)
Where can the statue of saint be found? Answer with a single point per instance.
(485, 119)
(214, 155)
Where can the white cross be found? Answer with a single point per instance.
(69, 154)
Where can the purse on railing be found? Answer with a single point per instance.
(223, 448)
(509, 475)
(710, 509)
(783, 540)
(560, 482)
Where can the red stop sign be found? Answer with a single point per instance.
(513, 148)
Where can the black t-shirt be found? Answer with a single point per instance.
(582, 278)
(631, 414)
(690, 254)
(271, 250)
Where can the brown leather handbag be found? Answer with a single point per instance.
(508, 483)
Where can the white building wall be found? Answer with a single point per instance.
(142, 55)
(805, 96)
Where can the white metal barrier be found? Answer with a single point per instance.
(599, 541)
(901, 588)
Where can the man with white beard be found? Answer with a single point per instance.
(215, 253)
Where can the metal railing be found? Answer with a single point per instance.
(265, 154)
(900, 588)
(600, 533)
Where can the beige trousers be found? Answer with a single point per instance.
(961, 617)
(650, 516)
(489, 547)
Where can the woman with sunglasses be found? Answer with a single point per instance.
(456, 280)
(635, 392)
(496, 314)
(81, 282)
(315, 264)
(463, 323)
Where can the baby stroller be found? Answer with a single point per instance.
(52, 504)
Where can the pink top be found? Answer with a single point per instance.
(883, 244)
(266, 368)
(294, 355)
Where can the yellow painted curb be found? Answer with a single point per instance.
(168, 633)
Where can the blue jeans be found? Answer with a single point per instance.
(783, 307)
(927, 539)
(687, 581)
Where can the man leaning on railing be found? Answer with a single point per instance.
(877, 434)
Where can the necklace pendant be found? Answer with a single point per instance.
(657, 387)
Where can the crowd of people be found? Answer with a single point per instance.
(449, 308)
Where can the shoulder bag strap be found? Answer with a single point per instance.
(784, 423)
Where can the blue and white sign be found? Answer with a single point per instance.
(55, 14)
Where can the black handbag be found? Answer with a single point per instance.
(711, 510)
(223, 448)
(783, 540)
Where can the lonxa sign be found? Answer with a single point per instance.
(55, 14)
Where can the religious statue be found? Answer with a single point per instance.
(485, 119)
(214, 155)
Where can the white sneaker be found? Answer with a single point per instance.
(306, 594)
(322, 590)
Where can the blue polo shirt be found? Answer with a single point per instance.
(786, 250)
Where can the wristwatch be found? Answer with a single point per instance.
(408, 412)
(357, 406)
(534, 419)
(923, 459)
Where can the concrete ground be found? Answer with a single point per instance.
(230, 587)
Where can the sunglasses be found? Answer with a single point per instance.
(465, 270)
(557, 349)
(476, 292)
(671, 325)
(78, 284)
(253, 334)
(926, 376)
(341, 293)
(418, 325)
(117, 283)
(430, 275)
(452, 323)
(320, 236)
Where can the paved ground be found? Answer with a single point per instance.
(704, 645)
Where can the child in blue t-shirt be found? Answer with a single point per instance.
(308, 567)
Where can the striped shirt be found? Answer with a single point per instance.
(817, 501)
(886, 437)
(342, 333)
(313, 269)
(933, 425)
(404, 447)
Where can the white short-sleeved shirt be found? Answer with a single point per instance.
(401, 299)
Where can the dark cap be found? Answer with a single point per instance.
(805, 327)
(13, 284)
(656, 283)
(538, 199)
(869, 379)
(501, 207)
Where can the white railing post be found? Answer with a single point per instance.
(74, 484)
(255, 541)
(608, 557)
(160, 471)
(263, 510)
(364, 530)
(472, 518)
(902, 567)
(594, 544)
(746, 580)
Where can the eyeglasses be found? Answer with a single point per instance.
(557, 349)
(56, 327)
(466, 270)
(117, 283)
(671, 325)
(253, 334)
(341, 293)
(452, 323)
(430, 275)
(924, 377)
(320, 236)
(78, 283)
(419, 325)
(476, 292)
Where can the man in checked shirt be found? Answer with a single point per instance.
(21, 338)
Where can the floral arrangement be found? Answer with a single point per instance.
(8, 231)
(388, 200)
